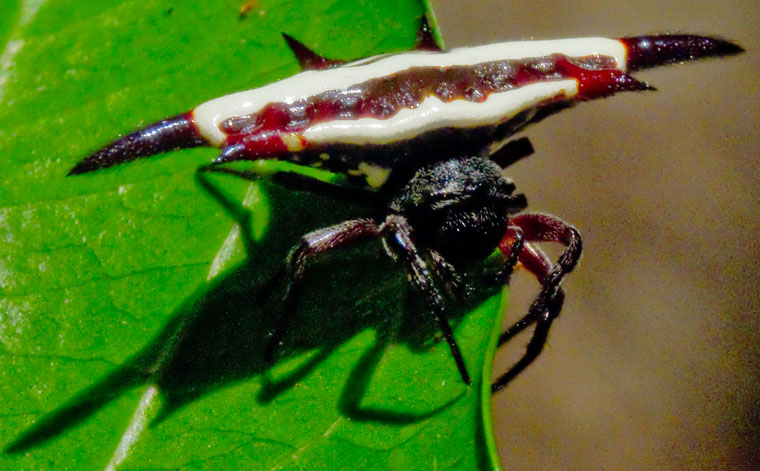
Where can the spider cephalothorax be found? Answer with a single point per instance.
(459, 206)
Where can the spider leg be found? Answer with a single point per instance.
(531, 256)
(312, 244)
(547, 305)
(512, 152)
(516, 243)
(398, 235)
(535, 261)
(452, 280)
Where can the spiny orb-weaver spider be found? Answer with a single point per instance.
(423, 138)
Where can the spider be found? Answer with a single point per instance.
(423, 139)
(445, 215)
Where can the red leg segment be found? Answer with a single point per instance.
(547, 305)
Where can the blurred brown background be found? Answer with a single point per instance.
(655, 361)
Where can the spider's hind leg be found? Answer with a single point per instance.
(547, 305)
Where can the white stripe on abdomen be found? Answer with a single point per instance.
(209, 115)
(433, 113)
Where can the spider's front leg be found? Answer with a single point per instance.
(547, 305)
(397, 235)
(311, 245)
(398, 239)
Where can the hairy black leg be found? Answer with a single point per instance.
(398, 235)
(312, 244)
(532, 351)
(540, 228)
(533, 259)
(452, 280)
(512, 152)
(547, 305)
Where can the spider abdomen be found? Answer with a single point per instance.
(367, 118)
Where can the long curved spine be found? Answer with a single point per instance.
(177, 132)
(645, 52)
(275, 128)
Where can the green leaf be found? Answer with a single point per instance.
(136, 302)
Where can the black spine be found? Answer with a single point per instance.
(650, 51)
(173, 133)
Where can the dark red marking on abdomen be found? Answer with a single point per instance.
(383, 97)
